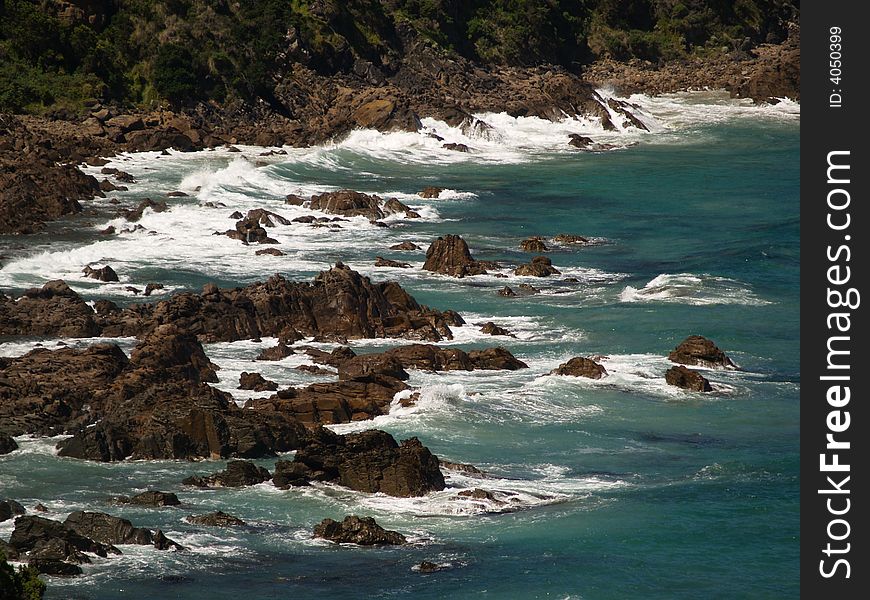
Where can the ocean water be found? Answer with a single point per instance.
(619, 488)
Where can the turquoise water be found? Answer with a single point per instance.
(624, 488)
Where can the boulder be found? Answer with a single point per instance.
(106, 274)
(7, 444)
(579, 141)
(430, 192)
(136, 214)
(507, 292)
(370, 462)
(580, 366)
(687, 379)
(455, 147)
(357, 530)
(239, 473)
(107, 529)
(216, 519)
(393, 207)
(278, 352)
(155, 498)
(495, 359)
(152, 287)
(269, 251)
(450, 255)
(32, 532)
(385, 262)
(541, 266)
(406, 246)
(699, 351)
(266, 218)
(348, 203)
(533, 244)
(54, 310)
(491, 328)
(256, 382)
(9, 509)
(386, 114)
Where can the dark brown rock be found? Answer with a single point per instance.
(216, 519)
(54, 310)
(107, 529)
(239, 473)
(136, 214)
(9, 509)
(348, 203)
(430, 192)
(155, 498)
(698, 350)
(533, 244)
(278, 352)
(357, 530)
(406, 246)
(7, 445)
(581, 367)
(256, 382)
(541, 266)
(269, 251)
(450, 255)
(567, 238)
(687, 379)
(385, 262)
(507, 292)
(455, 147)
(151, 287)
(491, 328)
(106, 274)
(31, 532)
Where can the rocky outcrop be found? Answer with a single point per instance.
(533, 244)
(33, 533)
(580, 366)
(450, 255)
(53, 310)
(430, 191)
(7, 444)
(699, 351)
(279, 352)
(151, 498)
(339, 302)
(491, 328)
(541, 266)
(160, 406)
(687, 379)
(9, 509)
(110, 530)
(256, 383)
(105, 274)
(357, 530)
(216, 519)
(348, 203)
(239, 473)
(370, 461)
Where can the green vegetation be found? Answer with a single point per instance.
(21, 585)
(55, 56)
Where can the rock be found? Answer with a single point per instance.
(136, 214)
(477, 494)
(304, 219)
(495, 359)
(155, 498)
(333, 359)
(491, 328)
(40, 508)
(133, 290)
(107, 529)
(161, 542)
(407, 246)
(581, 367)
(450, 255)
(125, 177)
(269, 251)
(239, 473)
(177, 194)
(314, 370)
(256, 382)
(357, 530)
(687, 379)
(266, 218)
(348, 203)
(455, 147)
(386, 114)
(533, 244)
(32, 532)
(698, 350)
(9, 509)
(507, 292)
(294, 200)
(385, 262)
(430, 192)
(579, 141)
(370, 462)
(278, 352)
(393, 207)
(110, 230)
(56, 568)
(541, 266)
(126, 123)
(528, 288)
(106, 274)
(428, 567)
(108, 186)
(216, 519)
(461, 467)
(151, 287)
(250, 231)
(567, 238)
(7, 445)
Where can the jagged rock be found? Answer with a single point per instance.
(107, 529)
(386, 114)
(430, 192)
(278, 352)
(269, 251)
(249, 231)
(477, 494)
(541, 266)
(533, 244)
(507, 292)
(491, 328)
(348, 203)
(455, 147)
(239, 473)
(406, 246)
(161, 542)
(687, 379)
(31, 532)
(7, 445)
(385, 262)
(567, 238)
(357, 530)
(333, 359)
(106, 273)
(216, 519)
(266, 218)
(579, 141)
(294, 200)
(495, 359)
(429, 567)
(450, 255)
(370, 461)
(698, 350)
(10, 508)
(54, 310)
(314, 370)
(393, 206)
(155, 498)
(136, 214)
(256, 382)
(40, 508)
(151, 287)
(581, 367)
(528, 288)
(461, 467)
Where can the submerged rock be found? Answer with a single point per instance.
(698, 350)
(216, 519)
(357, 530)
(385, 262)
